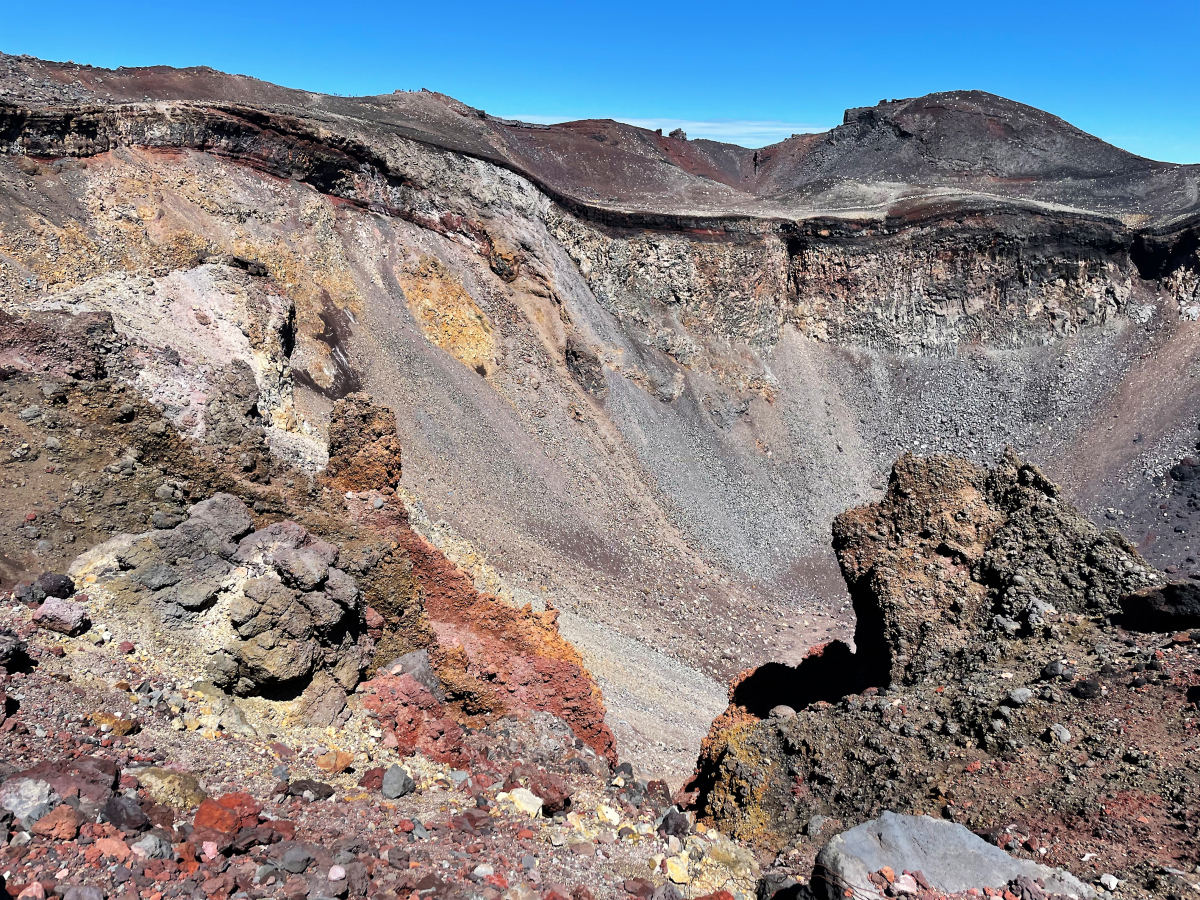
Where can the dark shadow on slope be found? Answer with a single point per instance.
(336, 332)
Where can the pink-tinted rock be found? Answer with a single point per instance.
(63, 616)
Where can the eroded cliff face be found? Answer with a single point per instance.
(648, 418)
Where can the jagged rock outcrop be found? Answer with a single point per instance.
(986, 664)
(953, 550)
(490, 657)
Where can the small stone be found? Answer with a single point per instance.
(114, 724)
(217, 816)
(296, 860)
(153, 846)
(1059, 733)
(115, 848)
(334, 762)
(1110, 882)
(782, 711)
(83, 892)
(397, 783)
(126, 647)
(1020, 696)
(337, 873)
(526, 801)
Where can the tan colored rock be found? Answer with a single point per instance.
(117, 725)
(178, 790)
(334, 762)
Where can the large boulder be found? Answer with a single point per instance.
(949, 857)
(266, 610)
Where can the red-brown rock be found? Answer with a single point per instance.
(218, 817)
(62, 823)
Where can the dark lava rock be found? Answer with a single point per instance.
(52, 585)
(1167, 607)
(675, 824)
(126, 813)
(296, 860)
(12, 649)
(318, 789)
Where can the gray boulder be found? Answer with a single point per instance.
(397, 783)
(154, 846)
(950, 857)
(27, 798)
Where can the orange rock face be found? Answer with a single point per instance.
(514, 658)
(364, 450)
(492, 658)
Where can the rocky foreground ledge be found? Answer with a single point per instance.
(1017, 671)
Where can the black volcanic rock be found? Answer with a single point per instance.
(1168, 607)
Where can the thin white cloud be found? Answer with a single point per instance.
(744, 132)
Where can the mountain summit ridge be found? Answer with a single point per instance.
(947, 151)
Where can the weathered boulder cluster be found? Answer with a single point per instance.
(269, 608)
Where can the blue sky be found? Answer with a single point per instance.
(746, 72)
